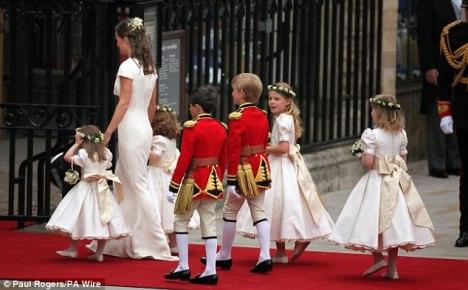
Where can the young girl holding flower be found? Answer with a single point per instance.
(384, 211)
(89, 210)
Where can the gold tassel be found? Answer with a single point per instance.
(246, 181)
(185, 197)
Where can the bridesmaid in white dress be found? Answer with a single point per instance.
(89, 211)
(292, 204)
(384, 211)
(136, 87)
(162, 162)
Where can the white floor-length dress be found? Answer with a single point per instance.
(78, 214)
(359, 224)
(134, 145)
(288, 208)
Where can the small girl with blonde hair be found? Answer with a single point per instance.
(89, 210)
(292, 204)
(162, 161)
(384, 211)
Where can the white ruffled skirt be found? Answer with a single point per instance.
(78, 215)
(286, 209)
(358, 224)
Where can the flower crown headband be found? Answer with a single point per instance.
(282, 90)
(135, 23)
(385, 104)
(164, 108)
(95, 138)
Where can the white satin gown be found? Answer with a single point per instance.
(139, 206)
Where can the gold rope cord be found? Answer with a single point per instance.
(458, 59)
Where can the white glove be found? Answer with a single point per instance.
(446, 124)
(233, 192)
(170, 196)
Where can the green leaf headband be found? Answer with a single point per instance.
(385, 104)
(95, 138)
(164, 108)
(282, 90)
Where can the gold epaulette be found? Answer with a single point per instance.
(190, 123)
(224, 125)
(266, 113)
(235, 115)
(456, 59)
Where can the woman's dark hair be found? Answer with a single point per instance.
(206, 97)
(133, 29)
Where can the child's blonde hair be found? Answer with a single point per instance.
(165, 123)
(250, 84)
(388, 113)
(93, 142)
(293, 109)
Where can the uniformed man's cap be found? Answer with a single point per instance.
(464, 4)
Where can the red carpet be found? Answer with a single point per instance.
(32, 257)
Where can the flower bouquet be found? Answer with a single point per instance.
(358, 148)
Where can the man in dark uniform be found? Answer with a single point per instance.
(453, 101)
(432, 16)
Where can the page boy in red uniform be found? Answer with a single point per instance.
(198, 180)
(248, 170)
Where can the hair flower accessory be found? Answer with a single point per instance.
(386, 104)
(282, 90)
(164, 108)
(135, 23)
(93, 138)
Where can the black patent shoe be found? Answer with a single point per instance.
(183, 275)
(223, 264)
(207, 280)
(263, 267)
(462, 240)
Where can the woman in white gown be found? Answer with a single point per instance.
(384, 211)
(136, 87)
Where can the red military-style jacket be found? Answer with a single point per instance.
(248, 137)
(203, 157)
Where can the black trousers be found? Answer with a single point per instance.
(462, 136)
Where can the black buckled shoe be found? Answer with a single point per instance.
(462, 240)
(207, 280)
(223, 264)
(263, 267)
(183, 275)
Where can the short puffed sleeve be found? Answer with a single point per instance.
(80, 158)
(404, 144)
(128, 69)
(109, 156)
(159, 145)
(285, 127)
(368, 137)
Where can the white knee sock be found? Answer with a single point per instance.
(182, 244)
(263, 229)
(229, 232)
(210, 250)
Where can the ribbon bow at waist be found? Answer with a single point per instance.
(395, 177)
(105, 195)
(306, 184)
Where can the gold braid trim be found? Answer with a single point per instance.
(457, 60)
